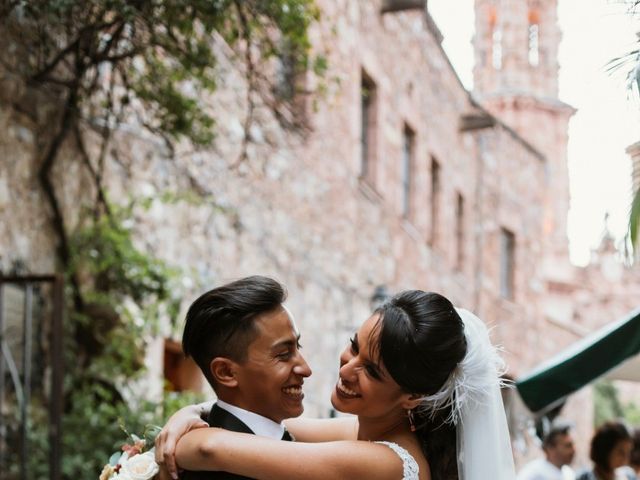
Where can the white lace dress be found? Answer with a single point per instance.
(410, 468)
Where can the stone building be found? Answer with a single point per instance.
(403, 178)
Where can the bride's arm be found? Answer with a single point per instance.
(323, 429)
(182, 421)
(303, 430)
(266, 459)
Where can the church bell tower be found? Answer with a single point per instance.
(516, 78)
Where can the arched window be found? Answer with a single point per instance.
(496, 39)
(408, 166)
(534, 38)
(368, 124)
(496, 49)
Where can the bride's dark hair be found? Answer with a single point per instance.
(421, 341)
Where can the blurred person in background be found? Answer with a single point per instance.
(632, 471)
(611, 448)
(559, 451)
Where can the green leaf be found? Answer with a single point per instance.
(115, 458)
(150, 433)
(634, 219)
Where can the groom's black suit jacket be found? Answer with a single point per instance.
(219, 417)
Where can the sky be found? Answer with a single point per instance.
(608, 117)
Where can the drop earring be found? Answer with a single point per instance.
(412, 425)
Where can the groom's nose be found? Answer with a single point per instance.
(302, 367)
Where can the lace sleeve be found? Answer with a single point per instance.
(409, 465)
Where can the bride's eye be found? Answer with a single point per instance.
(354, 345)
(373, 371)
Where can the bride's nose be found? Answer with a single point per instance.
(347, 365)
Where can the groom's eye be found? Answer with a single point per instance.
(284, 355)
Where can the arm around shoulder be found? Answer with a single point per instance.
(265, 459)
(323, 429)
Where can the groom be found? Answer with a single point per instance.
(247, 345)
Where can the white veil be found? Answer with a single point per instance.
(484, 447)
(473, 393)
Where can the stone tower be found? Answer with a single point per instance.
(634, 152)
(516, 79)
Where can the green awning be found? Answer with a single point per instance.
(614, 351)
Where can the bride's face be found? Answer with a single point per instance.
(364, 386)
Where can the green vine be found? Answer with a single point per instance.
(124, 290)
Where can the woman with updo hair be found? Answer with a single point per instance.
(419, 378)
(611, 447)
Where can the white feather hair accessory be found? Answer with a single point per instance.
(473, 379)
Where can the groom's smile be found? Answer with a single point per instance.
(295, 392)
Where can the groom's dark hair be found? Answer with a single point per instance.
(221, 322)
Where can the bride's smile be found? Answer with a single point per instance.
(345, 391)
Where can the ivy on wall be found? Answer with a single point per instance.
(101, 63)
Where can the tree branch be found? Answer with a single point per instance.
(43, 72)
(7, 7)
(95, 173)
(41, 75)
(250, 70)
(44, 172)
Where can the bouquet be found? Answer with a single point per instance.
(135, 460)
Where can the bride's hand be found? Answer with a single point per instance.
(181, 422)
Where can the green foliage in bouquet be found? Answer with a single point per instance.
(136, 455)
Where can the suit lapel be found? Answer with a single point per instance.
(218, 417)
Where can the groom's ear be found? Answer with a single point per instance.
(412, 400)
(223, 371)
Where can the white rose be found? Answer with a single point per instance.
(106, 473)
(140, 467)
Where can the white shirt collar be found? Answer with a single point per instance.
(551, 466)
(258, 424)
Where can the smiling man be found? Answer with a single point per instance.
(247, 345)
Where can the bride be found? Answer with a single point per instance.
(423, 383)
